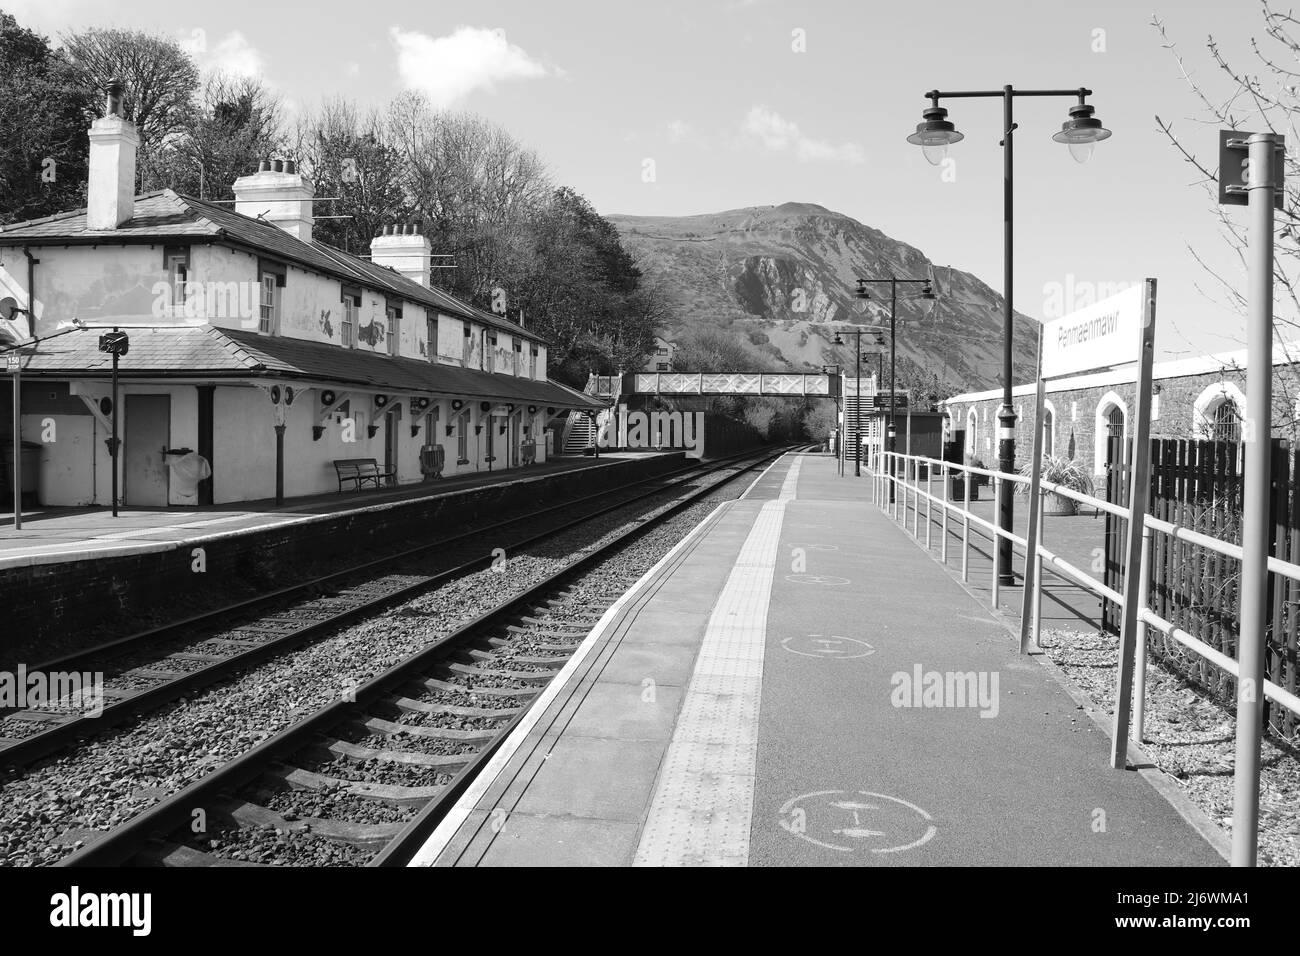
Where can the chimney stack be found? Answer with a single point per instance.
(403, 248)
(279, 194)
(110, 192)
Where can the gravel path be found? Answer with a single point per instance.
(1192, 738)
(48, 810)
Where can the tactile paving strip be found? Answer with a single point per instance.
(704, 796)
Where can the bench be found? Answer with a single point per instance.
(361, 470)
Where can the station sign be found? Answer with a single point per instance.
(1102, 335)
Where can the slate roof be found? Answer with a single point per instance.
(209, 352)
(169, 216)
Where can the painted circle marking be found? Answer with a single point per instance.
(829, 580)
(827, 647)
(849, 820)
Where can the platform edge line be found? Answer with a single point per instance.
(456, 817)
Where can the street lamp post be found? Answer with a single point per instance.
(839, 436)
(857, 391)
(934, 134)
(927, 292)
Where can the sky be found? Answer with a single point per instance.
(677, 108)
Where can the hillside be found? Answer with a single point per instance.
(740, 270)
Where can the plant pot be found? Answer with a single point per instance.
(957, 489)
(1054, 504)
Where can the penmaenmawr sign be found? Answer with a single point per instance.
(1101, 335)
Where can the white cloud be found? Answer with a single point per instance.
(447, 69)
(232, 54)
(780, 135)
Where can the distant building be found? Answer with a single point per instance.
(239, 324)
(661, 358)
(1196, 398)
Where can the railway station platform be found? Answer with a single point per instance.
(797, 683)
(61, 534)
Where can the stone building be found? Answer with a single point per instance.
(1192, 398)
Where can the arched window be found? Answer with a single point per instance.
(972, 426)
(1217, 411)
(1226, 424)
(1111, 422)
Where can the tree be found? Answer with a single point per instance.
(159, 81)
(1256, 102)
(43, 147)
(236, 122)
(705, 349)
(350, 156)
(477, 189)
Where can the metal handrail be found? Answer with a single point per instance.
(1063, 568)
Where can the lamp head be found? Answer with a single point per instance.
(934, 134)
(1081, 132)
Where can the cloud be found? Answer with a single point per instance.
(780, 135)
(448, 69)
(232, 54)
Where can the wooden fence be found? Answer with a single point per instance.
(1197, 484)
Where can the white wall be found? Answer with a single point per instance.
(75, 469)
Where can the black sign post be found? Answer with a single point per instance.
(116, 344)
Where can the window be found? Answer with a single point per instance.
(177, 263)
(466, 349)
(351, 313)
(1049, 431)
(532, 362)
(1227, 422)
(394, 329)
(662, 350)
(519, 358)
(662, 367)
(268, 306)
(431, 333)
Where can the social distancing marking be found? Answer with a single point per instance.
(849, 821)
(827, 646)
(826, 580)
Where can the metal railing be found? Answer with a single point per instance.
(908, 495)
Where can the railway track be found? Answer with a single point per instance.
(363, 780)
(149, 671)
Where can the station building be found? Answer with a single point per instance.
(253, 345)
(1193, 398)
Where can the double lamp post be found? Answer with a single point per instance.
(934, 134)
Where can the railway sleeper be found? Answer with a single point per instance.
(412, 706)
(372, 835)
(435, 684)
(177, 854)
(479, 655)
(343, 748)
(528, 677)
(296, 778)
(377, 725)
(555, 623)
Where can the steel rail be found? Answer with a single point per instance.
(173, 812)
(45, 742)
